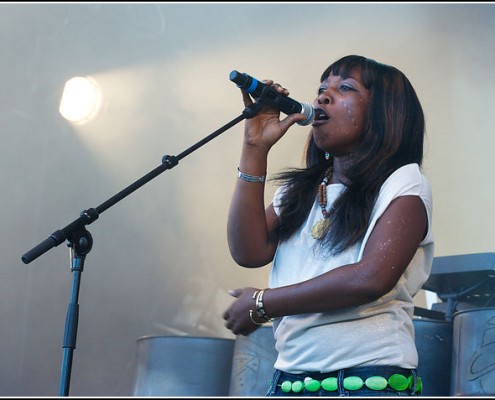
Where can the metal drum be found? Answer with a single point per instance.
(434, 344)
(183, 366)
(252, 364)
(473, 353)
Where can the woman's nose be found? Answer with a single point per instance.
(324, 98)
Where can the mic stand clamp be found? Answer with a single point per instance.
(252, 110)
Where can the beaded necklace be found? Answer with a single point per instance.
(321, 226)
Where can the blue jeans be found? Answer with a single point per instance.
(363, 372)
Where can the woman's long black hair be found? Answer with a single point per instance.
(393, 137)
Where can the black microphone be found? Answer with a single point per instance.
(270, 96)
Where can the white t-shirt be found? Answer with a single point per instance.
(378, 333)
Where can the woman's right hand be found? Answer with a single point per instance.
(266, 128)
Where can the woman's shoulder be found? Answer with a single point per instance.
(408, 179)
(409, 170)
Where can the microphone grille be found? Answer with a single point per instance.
(309, 112)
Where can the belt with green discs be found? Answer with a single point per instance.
(396, 382)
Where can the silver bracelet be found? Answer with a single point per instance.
(260, 307)
(250, 178)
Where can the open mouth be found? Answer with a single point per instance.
(320, 115)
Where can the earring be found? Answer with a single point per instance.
(327, 155)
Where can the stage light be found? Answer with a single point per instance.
(81, 100)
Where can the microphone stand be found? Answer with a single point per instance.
(80, 241)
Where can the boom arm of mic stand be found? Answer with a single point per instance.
(89, 216)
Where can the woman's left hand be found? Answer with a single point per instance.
(237, 316)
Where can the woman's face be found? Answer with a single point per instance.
(341, 106)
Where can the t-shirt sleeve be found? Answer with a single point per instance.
(277, 198)
(406, 181)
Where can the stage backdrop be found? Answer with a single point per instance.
(160, 263)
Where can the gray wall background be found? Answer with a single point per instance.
(160, 263)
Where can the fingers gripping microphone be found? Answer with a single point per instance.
(273, 98)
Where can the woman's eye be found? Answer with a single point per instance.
(345, 87)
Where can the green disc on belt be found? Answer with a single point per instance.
(410, 381)
(419, 385)
(297, 386)
(286, 386)
(398, 382)
(312, 385)
(376, 383)
(353, 383)
(329, 384)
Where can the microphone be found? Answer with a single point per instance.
(270, 96)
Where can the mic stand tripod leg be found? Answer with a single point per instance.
(80, 244)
